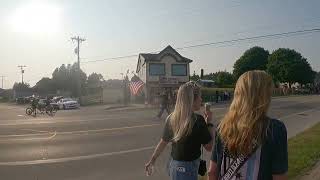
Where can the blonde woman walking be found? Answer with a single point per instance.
(187, 131)
(250, 145)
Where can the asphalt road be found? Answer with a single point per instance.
(93, 143)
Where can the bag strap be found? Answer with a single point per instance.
(201, 151)
(236, 165)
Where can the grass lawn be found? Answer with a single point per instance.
(304, 151)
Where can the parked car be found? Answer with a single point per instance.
(68, 103)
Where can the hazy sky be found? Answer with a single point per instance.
(37, 33)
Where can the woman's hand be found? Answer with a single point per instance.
(149, 167)
(208, 116)
(211, 128)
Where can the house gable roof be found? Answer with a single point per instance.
(152, 57)
(166, 51)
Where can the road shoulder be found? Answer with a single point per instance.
(313, 174)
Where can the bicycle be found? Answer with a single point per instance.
(50, 110)
(31, 110)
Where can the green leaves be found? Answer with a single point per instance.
(288, 66)
(255, 58)
(223, 78)
(45, 85)
(95, 79)
(317, 79)
(285, 65)
(21, 86)
(65, 78)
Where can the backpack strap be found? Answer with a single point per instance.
(236, 165)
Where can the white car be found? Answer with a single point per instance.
(68, 103)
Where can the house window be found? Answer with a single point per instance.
(179, 70)
(157, 69)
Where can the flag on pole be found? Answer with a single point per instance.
(135, 86)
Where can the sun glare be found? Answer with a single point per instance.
(36, 18)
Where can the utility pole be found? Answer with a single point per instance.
(22, 71)
(77, 51)
(201, 74)
(2, 81)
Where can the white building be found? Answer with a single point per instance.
(161, 72)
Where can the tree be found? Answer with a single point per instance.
(95, 79)
(317, 79)
(255, 58)
(45, 86)
(288, 66)
(73, 77)
(66, 78)
(21, 87)
(223, 78)
(60, 78)
(194, 77)
(210, 76)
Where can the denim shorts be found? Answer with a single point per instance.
(183, 170)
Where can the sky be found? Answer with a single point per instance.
(37, 33)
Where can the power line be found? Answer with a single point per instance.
(285, 34)
(112, 58)
(244, 30)
(233, 42)
(268, 36)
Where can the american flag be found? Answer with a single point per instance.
(135, 87)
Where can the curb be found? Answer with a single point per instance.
(119, 108)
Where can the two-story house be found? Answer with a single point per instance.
(161, 72)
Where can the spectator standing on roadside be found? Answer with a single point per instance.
(187, 132)
(249, 144)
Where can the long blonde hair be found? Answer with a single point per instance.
(181, 118)
(246, 121)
